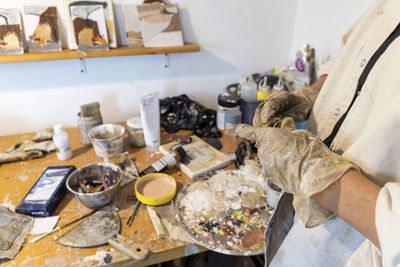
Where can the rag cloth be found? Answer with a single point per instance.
(38, 147)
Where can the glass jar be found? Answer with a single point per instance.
(230, 140)
(135, 132)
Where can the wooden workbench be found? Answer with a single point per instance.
(17, 178)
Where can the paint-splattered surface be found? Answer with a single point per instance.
(225, 212)
(17, 178)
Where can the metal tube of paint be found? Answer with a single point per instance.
(150, 113)
(171, 159)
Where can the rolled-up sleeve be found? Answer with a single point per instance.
(388, 223)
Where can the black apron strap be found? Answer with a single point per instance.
(361, 81)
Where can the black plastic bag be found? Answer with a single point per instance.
(180, 112)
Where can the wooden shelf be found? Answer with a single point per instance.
(113, 52)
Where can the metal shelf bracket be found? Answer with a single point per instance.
(166, 61)
(82, 65)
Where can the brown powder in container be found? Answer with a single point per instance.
(155, 186)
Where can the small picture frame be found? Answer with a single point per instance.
(90, 28)
(160, 25)
(10, 31)
(42, 32)
(108, 13)
(133, 31)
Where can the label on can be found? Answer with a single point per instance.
(221, 116)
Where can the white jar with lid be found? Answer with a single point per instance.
(135, 132)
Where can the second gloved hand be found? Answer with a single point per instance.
(296, 105)
(300, 163)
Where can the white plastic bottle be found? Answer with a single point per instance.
(61, 141)
(249, 89)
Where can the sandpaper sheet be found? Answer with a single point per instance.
(14, 228)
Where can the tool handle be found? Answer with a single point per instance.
(44, 235)
(61, 227)
(129, 247)
(133, 215)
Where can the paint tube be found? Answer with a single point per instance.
(168, 160)
(150, 113)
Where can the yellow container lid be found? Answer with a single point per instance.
(155, 189)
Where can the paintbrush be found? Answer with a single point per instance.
(61, 227)
(133, 215)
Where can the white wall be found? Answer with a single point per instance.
(237, 37)
(322, 24)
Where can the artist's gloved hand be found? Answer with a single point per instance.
(280, 105)
(298, 162)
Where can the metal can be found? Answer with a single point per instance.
(135, 132)
(227, 101)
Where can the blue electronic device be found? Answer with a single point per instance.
(46, 192)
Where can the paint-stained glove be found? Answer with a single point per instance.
(39, 146)
(298, 162)
(27, 150)
(280, 105)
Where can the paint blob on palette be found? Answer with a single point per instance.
(41, 28)
(225, 212)
(89, 27)
(10, 31)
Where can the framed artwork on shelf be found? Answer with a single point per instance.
(70, 6)
(10, 31)
(42, 32)
(160, 25)
(133, 32)
(89, 27)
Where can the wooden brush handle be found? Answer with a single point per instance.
(129, 247)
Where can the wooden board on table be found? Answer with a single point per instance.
(204, 157)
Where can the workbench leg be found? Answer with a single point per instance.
(197, 260)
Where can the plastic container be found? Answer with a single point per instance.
(227, 101)
(248, 90)
(248, 108)
(135, 132)
(263, 89)
(279, 86)
(155, 189)
(107, 140)
(61, 141)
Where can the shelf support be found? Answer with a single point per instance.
(82, 65)
(166, 61)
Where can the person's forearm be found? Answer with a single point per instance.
(318, 84)
(353, 198)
